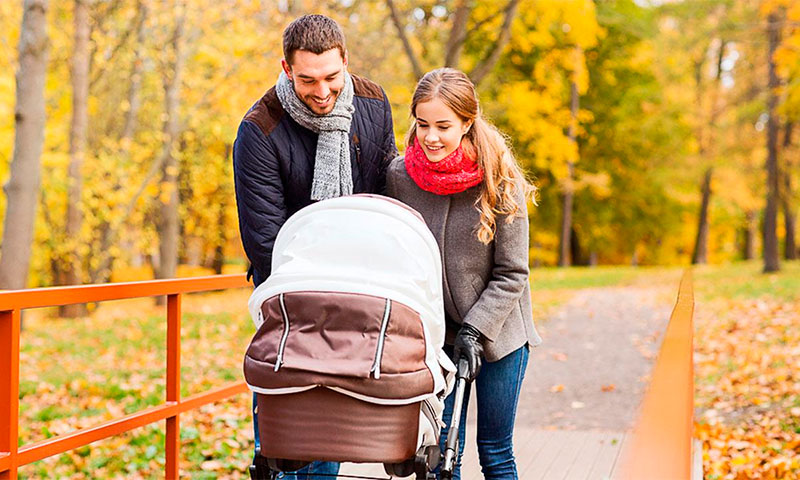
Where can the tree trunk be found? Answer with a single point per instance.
(111, 228)
(576, 253)
(700, 255)
(750, 235)
(771, 257)
(168, 228)
(219, 248)
(23, 185)
(401, 32)
(789, 246)
(457, 37)
(565, 248)
(73, 263)
(458, 32)
(493, 55)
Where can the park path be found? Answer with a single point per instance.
(583, 385)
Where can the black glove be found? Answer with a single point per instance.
(468, 345)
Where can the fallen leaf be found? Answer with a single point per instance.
(209, 465)
(557, 388)
(559, 356)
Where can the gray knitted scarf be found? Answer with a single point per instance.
(333, 175)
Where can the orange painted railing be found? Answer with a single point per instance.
(661, 444)
(13, 302)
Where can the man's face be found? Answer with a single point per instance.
(318, 79)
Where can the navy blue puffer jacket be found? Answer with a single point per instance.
(273, 165)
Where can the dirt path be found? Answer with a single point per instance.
(593, 367)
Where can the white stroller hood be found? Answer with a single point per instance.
(363, 244)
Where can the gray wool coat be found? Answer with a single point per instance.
(485, 286)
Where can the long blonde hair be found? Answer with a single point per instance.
(483, 141)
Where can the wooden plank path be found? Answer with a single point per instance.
(541, 454)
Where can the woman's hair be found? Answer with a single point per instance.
(483, 142)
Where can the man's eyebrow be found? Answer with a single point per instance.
(309, 77)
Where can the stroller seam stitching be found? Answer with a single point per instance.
(376, 364)
(285, 336)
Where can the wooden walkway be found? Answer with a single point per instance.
(541, 454)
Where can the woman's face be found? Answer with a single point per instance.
(439, 129)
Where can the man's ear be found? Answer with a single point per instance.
(287, 69)
(346, 57)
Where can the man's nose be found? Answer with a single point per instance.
(323, 90)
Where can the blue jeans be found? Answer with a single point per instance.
(497, 387)
(326, 470)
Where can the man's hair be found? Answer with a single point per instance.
(315, 33)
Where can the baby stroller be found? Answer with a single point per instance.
(347, 360)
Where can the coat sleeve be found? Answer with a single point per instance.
(259, 195)
(388, 145)
(510, 274)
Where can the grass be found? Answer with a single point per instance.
(745, 280)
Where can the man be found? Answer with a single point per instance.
(318, 133)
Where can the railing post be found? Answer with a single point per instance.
(173, 383)
(9, 390)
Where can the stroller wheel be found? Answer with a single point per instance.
(402, 469)
(286, 465)
(421, 464)
(426, 460)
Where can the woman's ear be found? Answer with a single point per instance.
(467, 126)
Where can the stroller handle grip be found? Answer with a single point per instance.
(462, 370)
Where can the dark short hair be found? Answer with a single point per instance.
(315, 33)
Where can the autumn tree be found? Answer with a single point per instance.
(168, 215)
(771, 256)
(71, 261)
(22, 188)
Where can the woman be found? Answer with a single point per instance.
(459, 173)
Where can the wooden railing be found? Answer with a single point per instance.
(661, 444)
(13, 302)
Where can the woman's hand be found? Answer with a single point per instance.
(468, 345)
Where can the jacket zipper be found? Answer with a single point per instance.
(376, 365)
(279, 360)
(357, 144)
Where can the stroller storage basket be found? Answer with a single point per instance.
(321, 424)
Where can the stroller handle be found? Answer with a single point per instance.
(451, 445)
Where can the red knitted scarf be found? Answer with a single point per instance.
(453, 174)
